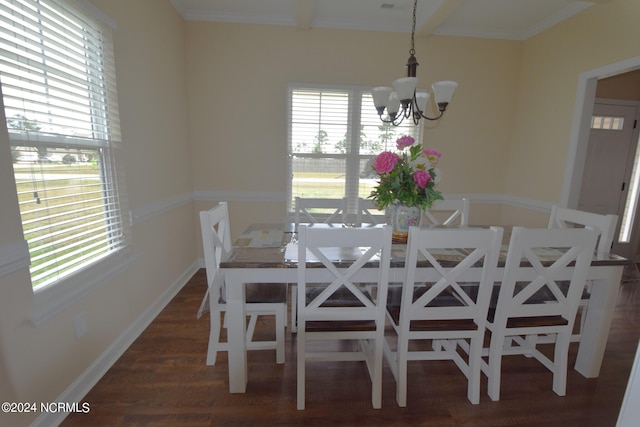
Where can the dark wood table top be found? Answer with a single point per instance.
(274, 246)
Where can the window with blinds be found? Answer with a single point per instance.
(333, 134)
(59, 96)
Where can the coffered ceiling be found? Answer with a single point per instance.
(502, 19)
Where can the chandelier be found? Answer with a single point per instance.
(403, 101)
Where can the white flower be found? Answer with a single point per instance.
(369, 171)
(438, 175)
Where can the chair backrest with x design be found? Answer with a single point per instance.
(555, 256)
(216, 242)
(605, 225)
(368, 213)
(320, 210)
(456, 212)
(448, 293)
(321, 248)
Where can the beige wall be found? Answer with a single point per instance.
(187, 129)
(238, 105)
(37, 363)
(551, 65)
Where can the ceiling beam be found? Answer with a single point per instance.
(304, 13)
(439, 16)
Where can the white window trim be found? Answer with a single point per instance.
(52, 299)
(351, 161)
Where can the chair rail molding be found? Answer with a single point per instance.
(240, 196)
(160, 207)
(502, 199)
(13, 257)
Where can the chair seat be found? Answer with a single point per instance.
(529, 322)
(344, 325)
(341, 298)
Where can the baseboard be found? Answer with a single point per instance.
(90, 377)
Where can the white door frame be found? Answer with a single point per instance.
(581, 123)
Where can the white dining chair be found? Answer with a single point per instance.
(605, 225)
(261, 298)
(332, 306)
(447, 213)
(315, 210)
(441, 304)
(531, 304)
(368, 213)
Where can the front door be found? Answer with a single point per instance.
(608, 167)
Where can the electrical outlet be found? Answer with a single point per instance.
(80, 323)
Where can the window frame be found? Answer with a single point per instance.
(55, 295)
(352, 157)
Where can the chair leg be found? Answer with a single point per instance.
(294, 308)
(301, 371)
(475, 354)
(203, 305)
(560, 363)
(214, 338)
(281, 322)
(401, 379)
(376, 378)
(495, 366)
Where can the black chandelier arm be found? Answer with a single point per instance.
(418, 113)
(442, 106)
(393, 118)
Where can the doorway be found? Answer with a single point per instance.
(580, 134)
(609, 184)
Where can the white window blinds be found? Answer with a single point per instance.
(59, 95)
(333, 133)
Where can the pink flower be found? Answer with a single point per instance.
(421, 177)
(405, 141)
(432, 155)
(386, 161)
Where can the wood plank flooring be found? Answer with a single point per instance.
(162, 380)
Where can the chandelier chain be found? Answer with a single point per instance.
(412, 51)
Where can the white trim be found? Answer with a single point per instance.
(90, 377)
(13, 257)
(240, 196)
(279, 196)
(500, 199)
(158, 208)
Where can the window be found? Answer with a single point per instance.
(607, 123)
(59, 96)
(333, 134)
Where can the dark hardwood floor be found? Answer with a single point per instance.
(162, 380)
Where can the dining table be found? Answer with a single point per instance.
(267, 253)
